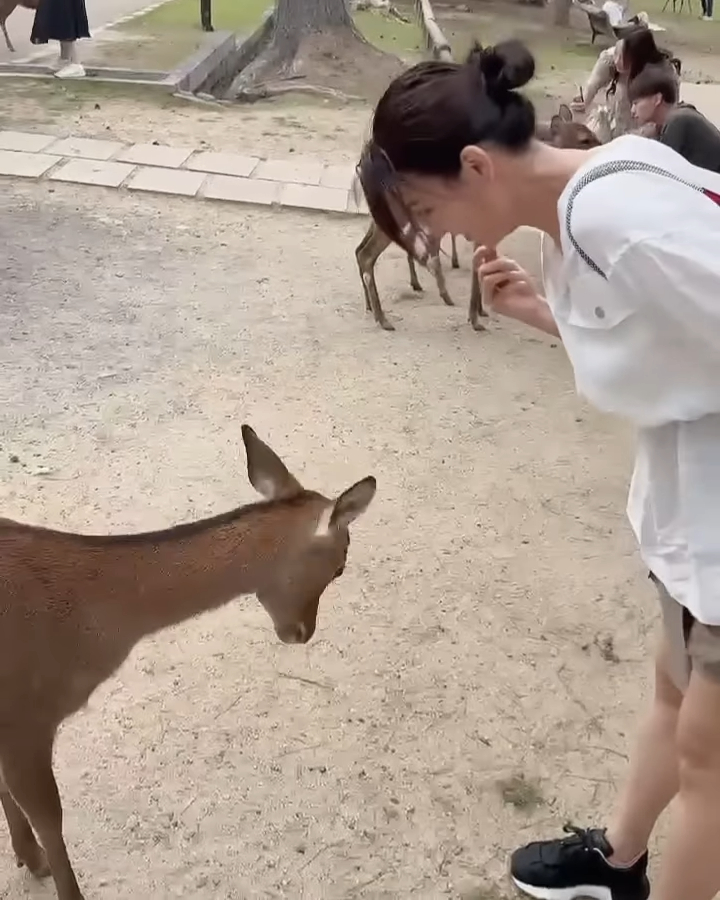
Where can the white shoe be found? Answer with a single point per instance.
(72, 70)
(707, 18)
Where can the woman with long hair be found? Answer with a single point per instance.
(614, 70)
(631, 272)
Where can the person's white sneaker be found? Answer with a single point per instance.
(72, 70)
(707, 18)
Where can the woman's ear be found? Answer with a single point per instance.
(475, 160)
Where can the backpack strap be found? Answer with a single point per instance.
(611, 168)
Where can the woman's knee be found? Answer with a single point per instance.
(698, 734)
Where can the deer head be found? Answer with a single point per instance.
(313, 551)
(565, 132)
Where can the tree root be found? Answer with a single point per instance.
(269, 89)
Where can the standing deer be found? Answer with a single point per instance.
(561, 131)
(73, 606)
(7, 7)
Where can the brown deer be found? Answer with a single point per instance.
(73, 606)
(561, 131)
(7, 7)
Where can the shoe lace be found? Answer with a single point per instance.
(582, 838)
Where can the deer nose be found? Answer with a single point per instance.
(297, 633)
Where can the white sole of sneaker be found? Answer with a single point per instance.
(584, 892)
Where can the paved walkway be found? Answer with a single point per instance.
(302, 182)
(102, 14)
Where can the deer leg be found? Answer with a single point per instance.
(28, 776)
(27, 850)
(414, 282)
(435, 267)
(454, 261)
(367, 254)
(7, 36)
(476, 310)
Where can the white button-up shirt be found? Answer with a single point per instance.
(636, 297)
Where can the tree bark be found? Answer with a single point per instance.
(561, 13)
(293, 20)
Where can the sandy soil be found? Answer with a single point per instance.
(478, 668)
(275, 129)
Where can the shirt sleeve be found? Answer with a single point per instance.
(601, 75)
(675, 133)
(678, 275)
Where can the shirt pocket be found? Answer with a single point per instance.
(591, 303)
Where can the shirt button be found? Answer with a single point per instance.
(599, 312)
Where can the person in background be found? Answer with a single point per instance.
(654, 98)
(631, 272)
(707, 8)
(64, 21)
(614, 69)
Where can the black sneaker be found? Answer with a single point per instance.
(577, 866)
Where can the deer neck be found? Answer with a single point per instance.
(161, 579)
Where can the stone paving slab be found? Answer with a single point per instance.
(85, 148)
(287, 170)
(309, 196)
(155, 155)
(166, 181)
(299, 183)
(242, 190)
(26, 165)
(92, 171)
(223, 163)
(341, 177)
(21, 140)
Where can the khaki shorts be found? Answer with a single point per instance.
(693, 646)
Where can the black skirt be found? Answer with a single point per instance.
(60, 20)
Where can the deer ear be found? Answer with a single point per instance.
(555, 124)
(565, 113)
(352, 503)
(266, 471)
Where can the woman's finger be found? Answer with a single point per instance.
(503, 264)
(500, 281)
(482, 255)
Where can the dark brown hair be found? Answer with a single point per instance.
(435, 109)
(639, 50)
(655, 80)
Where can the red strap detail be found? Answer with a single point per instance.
(712, 195)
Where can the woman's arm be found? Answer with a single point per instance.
(601, 75)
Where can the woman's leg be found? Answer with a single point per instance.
(690, 867)
(613, 863)
(653, 779)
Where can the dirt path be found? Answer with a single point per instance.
(493, 619)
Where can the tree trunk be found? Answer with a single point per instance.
(293, 20)
(561, 13)
(304, 16)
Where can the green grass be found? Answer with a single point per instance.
(244, 16)
(241, 16)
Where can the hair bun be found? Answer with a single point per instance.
(504, 67)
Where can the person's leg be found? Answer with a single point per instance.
(612, 864)
(690, 866)
(653, 778)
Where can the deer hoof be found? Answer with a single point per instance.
(385, 324)
(477, 325)
(447, 300)
(35, 861)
